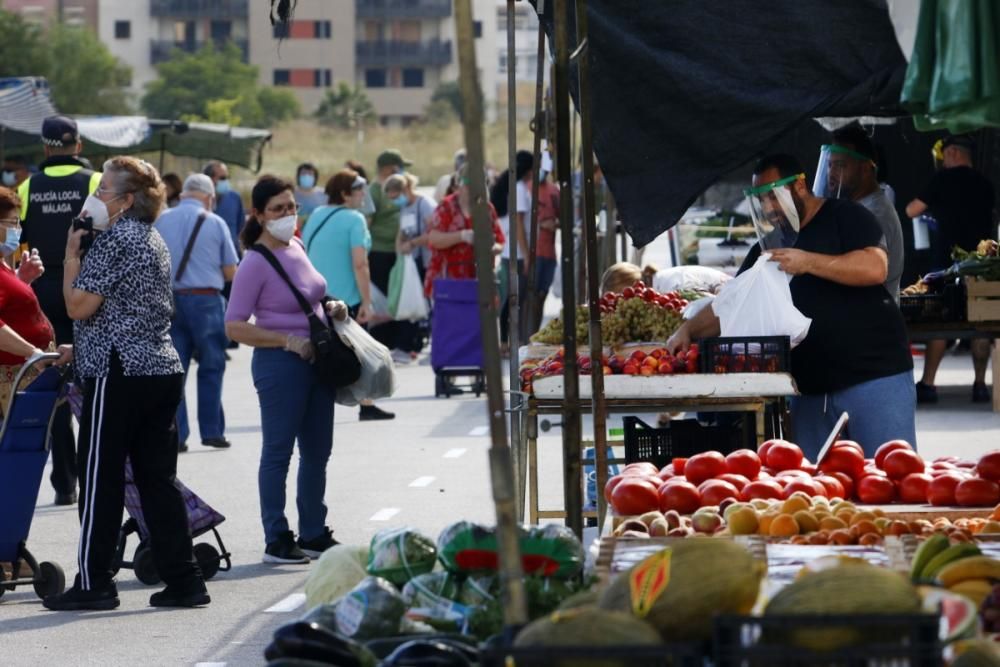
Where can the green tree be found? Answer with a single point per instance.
(22, 52)
(215, 84)
(346, 106)
(449, 93)
(86, 78)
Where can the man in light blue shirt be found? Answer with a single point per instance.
(228, 203)
(202, 260)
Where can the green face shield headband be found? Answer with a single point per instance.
(772, 209)
(838, 173)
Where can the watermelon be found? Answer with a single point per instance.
(959, 614)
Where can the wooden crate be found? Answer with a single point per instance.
(984, 300)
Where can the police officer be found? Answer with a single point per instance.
(50, 200)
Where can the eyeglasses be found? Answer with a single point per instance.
(101, 190)
(286, 208)
(10, 222)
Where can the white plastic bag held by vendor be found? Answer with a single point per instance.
(758, 302)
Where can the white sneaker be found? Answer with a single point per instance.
(401, 358)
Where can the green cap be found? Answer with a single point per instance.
(392, 157)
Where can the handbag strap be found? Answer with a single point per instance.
(319, 227)
(190, 246)
(276, 265)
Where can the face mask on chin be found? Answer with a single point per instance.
(282, 229)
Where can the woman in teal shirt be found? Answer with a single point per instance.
(337, 242)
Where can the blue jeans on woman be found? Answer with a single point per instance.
(199, 326)
(879, 410)
(294, 404)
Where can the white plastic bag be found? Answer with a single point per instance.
(378, 378)
(758, 302)
(380, 306)
(412, 305)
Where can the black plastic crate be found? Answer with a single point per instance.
(745, 354)
(682, 438)
(947, 305)
(664, 655)
(884, 641)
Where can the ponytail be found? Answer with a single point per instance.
(251, 232)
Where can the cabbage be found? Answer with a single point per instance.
(338, 570)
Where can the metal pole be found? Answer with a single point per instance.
(611, 233)
(534, 302)
(593, 274)
(515, 608)
(513, 275)
(572, 469)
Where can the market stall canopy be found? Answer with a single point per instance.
(683, 92)
(953, 80)
(25, 102)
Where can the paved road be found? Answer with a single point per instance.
(425, 469)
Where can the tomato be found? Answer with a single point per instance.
(808, 486)
(610, 486)
(834, 489)
(793, 474)
(705, 465)
(744, 462)
(645, 467)
(989, 466)
(902, 462)
(875, 490)
(977, 492)
(847, 460)
(784, 456)
(913, 488)
(635, 496)
(848, 444)
(809, 468)
(848, 483)
(766, 446)
(680, 496)
(769, 472)
(763, 489)
(675, 479)
(714, 491)
(941, 490)
(739, 481)
(678, 465)
(666, 473)
(889, 448)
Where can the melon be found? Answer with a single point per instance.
(707, 577)
(960, 614)
(588, 626)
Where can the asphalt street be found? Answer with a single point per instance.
(425, 469)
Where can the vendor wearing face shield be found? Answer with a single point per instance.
(856, 357)
(847, 170)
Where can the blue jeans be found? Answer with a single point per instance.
(199, 326)
(545, 273)
(880, 410)
(293, 404)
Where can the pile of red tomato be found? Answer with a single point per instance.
(778, 469)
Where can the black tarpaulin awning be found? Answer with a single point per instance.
(684, 91)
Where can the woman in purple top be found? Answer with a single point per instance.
(294, 404)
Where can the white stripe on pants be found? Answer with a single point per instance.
(93, 461)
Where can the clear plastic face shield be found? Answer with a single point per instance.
(367, 204)
(772, 209)
(838, 174)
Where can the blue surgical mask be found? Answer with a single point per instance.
(223, 186)
(9, 178)
(13, 240)
(401, 201)
(307, 181)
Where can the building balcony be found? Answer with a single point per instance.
(395, 53)
(199, 9)
(161, 49)
(403, 9)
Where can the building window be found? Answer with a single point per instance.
(221, 31)
(413, 77)
(322, 78)
(322, 29)
(123, 29)
(375, 78)
(280, 30)
(477, 29)
(327, 78)
(282, 77)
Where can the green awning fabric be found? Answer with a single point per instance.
(953, 79)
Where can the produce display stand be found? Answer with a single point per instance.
(965, 330)
(731, 392)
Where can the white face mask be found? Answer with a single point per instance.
(97, 211)
(282, 229)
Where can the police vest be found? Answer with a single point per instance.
(50, 201)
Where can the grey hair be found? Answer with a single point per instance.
(395, 182)
(139, 178)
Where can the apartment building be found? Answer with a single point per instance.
(71, 12)
(143, 33)
(525, 56)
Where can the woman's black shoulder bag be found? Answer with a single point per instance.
(336, 362)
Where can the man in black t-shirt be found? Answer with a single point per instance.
(856, 356)
(961, 200)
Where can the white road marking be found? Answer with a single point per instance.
(209, 664)
(385, 514)
(291, 603)
(479, 430)
(422, 481)
(453, 453)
